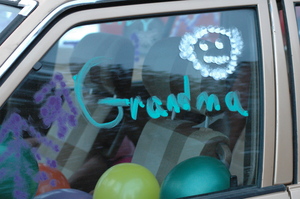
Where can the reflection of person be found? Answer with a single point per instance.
(91, 169)
(144, 33)
(87, 176)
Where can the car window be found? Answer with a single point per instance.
(171, 105)
(7, 14)
(12, 14)
(297, 8)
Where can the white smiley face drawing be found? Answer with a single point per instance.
(217, 66)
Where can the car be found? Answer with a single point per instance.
(149, 99)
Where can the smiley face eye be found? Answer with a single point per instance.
(219, 45)
(203, 46)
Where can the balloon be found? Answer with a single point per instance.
(18, 170)
(51, 179)
(127, 180)
(64, 194)
(195, 176)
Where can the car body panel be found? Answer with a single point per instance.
(277, 153)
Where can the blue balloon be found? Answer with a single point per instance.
(64, 194)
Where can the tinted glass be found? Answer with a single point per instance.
(175, 99)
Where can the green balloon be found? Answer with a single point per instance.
(18, 170)
(195, 176)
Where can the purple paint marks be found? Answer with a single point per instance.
(15, 157)
(20, 192)
(11, 131)
(43, 176)
(53, 183)
(52, 110)
(51, 163)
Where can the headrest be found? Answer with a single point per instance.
(164, 71)
(116, 70)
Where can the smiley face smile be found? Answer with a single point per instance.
(216, 59)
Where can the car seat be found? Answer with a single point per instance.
(107, 79)
(167, 141)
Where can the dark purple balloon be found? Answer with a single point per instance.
(64, 194)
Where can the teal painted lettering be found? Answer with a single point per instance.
(128, 23)
(183, 99)
(154, 108)
(146, 23)
(211, 102)
(135, 103)
(172, 104)
(233, 103)
(78, 81)
(119, 23)
(114, 101)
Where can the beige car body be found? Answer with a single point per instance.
(278, 151)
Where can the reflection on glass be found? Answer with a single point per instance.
(177, 96)
(7, 14)
(297, 8)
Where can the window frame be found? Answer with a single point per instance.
(26, 6)
(293, 48)
(270, 106)
(284, 146)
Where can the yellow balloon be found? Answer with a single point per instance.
(127, 180)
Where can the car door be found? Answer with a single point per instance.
(291, 21)
(186, 99)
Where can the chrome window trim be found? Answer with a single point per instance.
(38, 29)
(25, 7)
(28, 6)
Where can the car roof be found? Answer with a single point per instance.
(44, 9)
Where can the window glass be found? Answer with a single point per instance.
(297, 8)
(141, 107)
(7, 14)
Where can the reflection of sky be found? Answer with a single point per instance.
(7, 14)
(73, 36)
